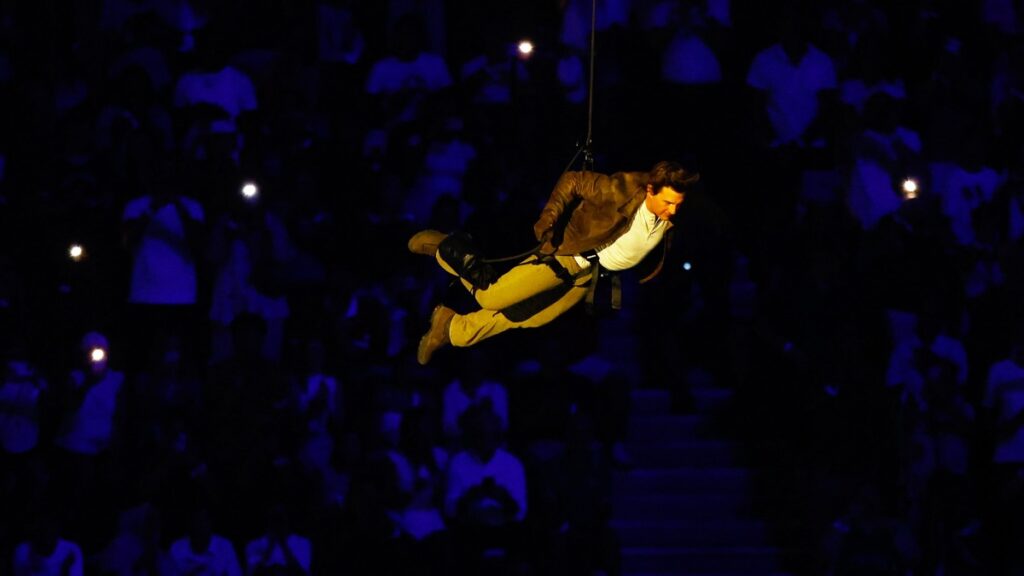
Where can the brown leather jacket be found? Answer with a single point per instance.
(588, 210)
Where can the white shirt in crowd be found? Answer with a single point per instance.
(219, 559)
(256, 551)
(228, 88)
(792, 89)
(27, 562)
(456, 401)
(466, 471)
(163, 272)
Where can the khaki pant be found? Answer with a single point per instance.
(525, 280)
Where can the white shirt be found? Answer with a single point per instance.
(257, 549)
(466, 471)
(163, 271)
(27, 562)
(645, 232)
(219, 559)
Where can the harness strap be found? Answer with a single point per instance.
(616, 288)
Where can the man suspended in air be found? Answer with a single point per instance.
(591, 222)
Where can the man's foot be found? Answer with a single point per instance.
(437, 336)
(426, 242)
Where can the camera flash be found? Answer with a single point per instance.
(525, 48)
(250, 190)
(97, 355)
(910, 189)
(76, 252)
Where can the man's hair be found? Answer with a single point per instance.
(673, 175)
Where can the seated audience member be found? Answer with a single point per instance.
(163, 233)
(45, 553)
(249, 246)
(486, 484)
(472, 388)
(20, 395)
(420, 465)
(278, 551)
(136, 549)
(92, 400)
(1004, 402)
(320, 408)
(203, 553)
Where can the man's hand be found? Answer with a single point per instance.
(543, 231)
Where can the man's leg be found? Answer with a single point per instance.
(529, 278)
(469, 329)
(522, 281)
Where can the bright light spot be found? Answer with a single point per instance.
(76, 252)
(525, 48)
(910, 189)
(687, 266)
(250, 190)
(98, 355)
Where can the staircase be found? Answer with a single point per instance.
(686, 506)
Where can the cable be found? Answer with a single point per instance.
(585, 148)
(588, 156)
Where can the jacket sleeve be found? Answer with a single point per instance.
(566, 189)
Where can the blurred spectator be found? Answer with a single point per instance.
(21, 401)
(865, 540)
(965, 185)
(321, 406)
(339, 38)
(91, 401)
(908, 362)
(163, 231)
(202, 552)
(447, 157)
(45, 553)
(486, 484)
(485, 495)
(473, 387)
(421, 465)
(249, 247)
(688, 60)
(135, 549)
(794, 76)
(1004, 402)
(884, 153)
(278, 551)
(213, 81)
(947, 430)
(402, 87)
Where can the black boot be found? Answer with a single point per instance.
(458, 251)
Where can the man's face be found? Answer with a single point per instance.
(663, 202)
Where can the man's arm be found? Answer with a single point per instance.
(565, 191)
